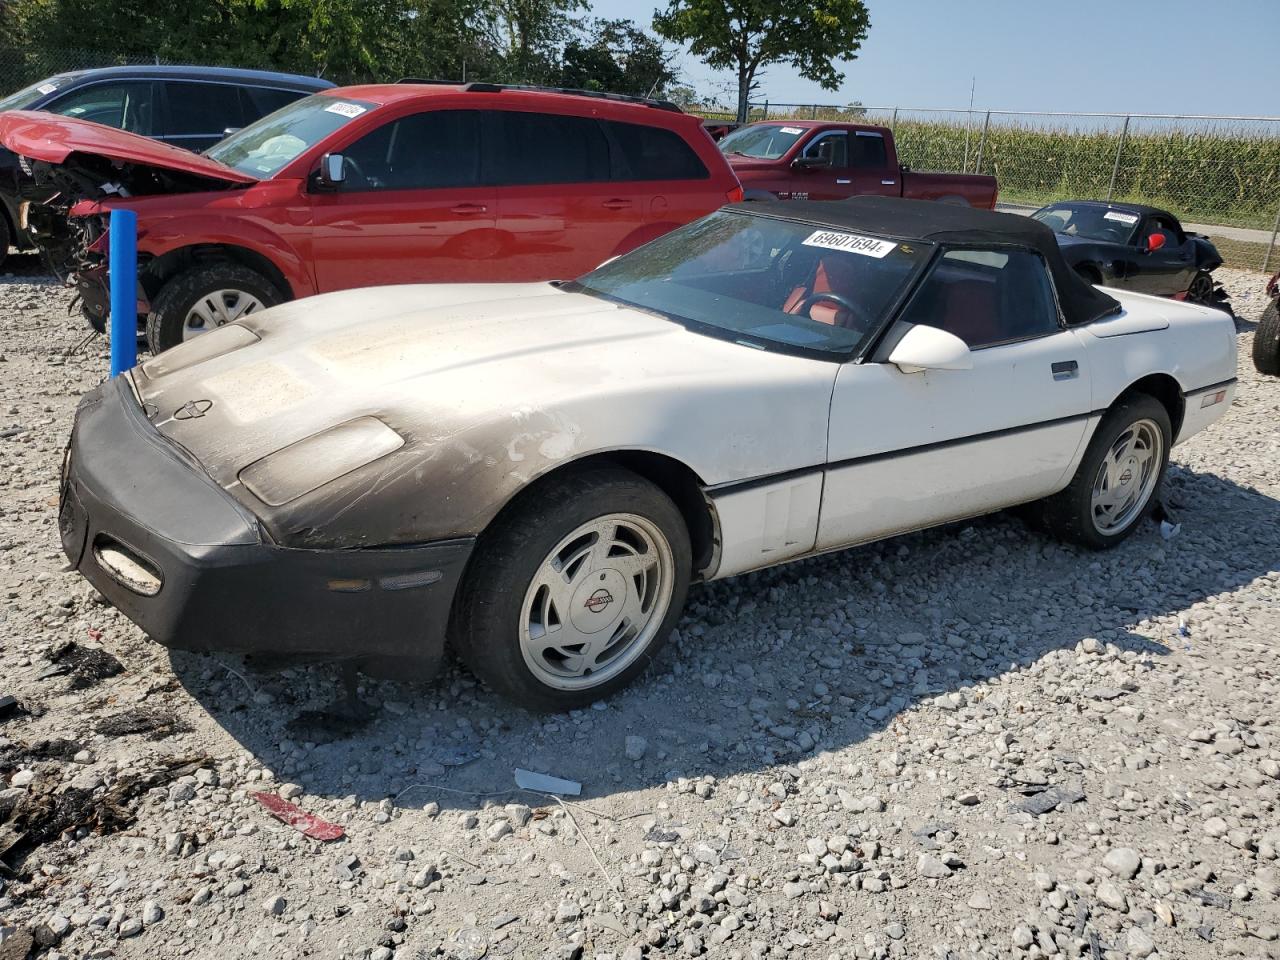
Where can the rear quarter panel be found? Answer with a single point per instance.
(1197, 349)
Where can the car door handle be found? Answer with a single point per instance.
(838, 180)
(467, 209)
(1065, 370)
(616, 204)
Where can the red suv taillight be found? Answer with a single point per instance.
(735, 195)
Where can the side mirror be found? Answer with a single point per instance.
(928, 348)
(333, 171)
(810, 163)
(1154, 243)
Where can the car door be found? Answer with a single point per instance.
(411, 209)
(1167, 270)
(909, 450)
(856, 165)
(662, 172)
(198, 113)
(561, 212)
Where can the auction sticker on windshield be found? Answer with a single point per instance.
(793, 130)
(1126, 218)
(345, 109)
(47, 87)
(850, 243)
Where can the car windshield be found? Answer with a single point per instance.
(262, 148)
(765, 282)
(768, 141)
(1089, 221)
(32, 94)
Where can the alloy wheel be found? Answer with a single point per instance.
(216, 309)
(596, 601)
(1127, 477)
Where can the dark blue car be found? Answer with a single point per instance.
(192, 107)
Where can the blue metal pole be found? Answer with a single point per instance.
(123, 266)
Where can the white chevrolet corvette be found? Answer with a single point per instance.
(539, 470)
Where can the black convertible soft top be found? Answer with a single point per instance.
(946, 223)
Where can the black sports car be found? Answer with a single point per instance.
(1133, 247)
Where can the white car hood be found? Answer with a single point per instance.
(483, 379)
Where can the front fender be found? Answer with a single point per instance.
(172, 234)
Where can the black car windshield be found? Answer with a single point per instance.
(767, 141)
(765, 282)
(27, 96)
(264, 147)
(1089, 221)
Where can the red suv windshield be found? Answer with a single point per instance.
(263, 148)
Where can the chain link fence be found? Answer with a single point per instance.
(22, 67)
(1219, 175)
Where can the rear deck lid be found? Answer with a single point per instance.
(52, 139)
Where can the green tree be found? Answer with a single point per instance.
(747, 35)
(617, 57)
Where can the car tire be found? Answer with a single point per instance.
(1266, 341)
(206, 296)
(1200, 289)
(1103, 518)
(548, 570)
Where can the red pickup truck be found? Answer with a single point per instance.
(820, 160)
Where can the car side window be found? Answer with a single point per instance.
(126, 105)
(642, 152)
(1165, 229)
(832, 147)
(541, 148)
(867, 151)
(260, 101)
(987, 297)
(424, 151)
(201, 109)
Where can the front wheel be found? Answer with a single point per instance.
(1118, 479)
(1266, 341)
(574, 589)
(204, 298)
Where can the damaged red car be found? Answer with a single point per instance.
(366, 186)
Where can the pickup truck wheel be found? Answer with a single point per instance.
(1118, 479)
(572, 592)
(1266, 341)
(206, 297)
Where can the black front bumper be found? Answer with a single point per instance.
(199, 573)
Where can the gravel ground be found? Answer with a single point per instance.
(970, 742)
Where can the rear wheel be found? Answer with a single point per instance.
(573, 591)
(1266, 341)
(1200, 290)
(1118, 479)
(206, 297)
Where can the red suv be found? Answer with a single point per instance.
(369, 185)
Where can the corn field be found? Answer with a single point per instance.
(1221, 173)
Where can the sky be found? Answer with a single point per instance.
(1139, 56)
